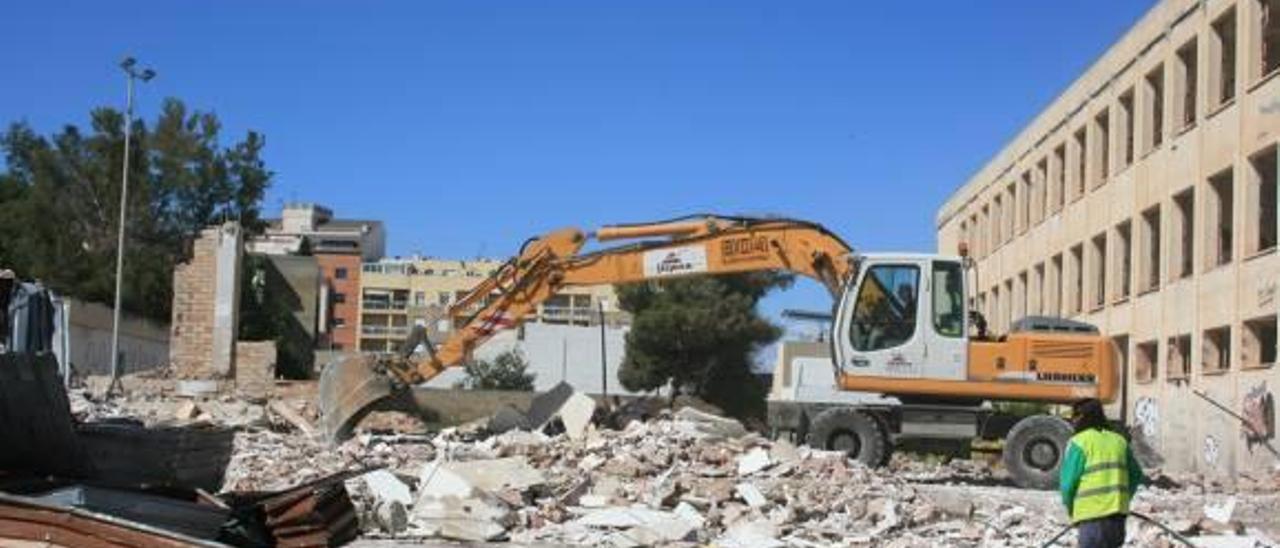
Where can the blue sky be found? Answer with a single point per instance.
(468, 126)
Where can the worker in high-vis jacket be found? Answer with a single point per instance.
(1098, 478)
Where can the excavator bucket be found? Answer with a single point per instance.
(349, 389)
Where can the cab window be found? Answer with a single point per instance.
(948, 298)
(884, 315)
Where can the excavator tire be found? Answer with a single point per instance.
(1033, 450)
(853, 431)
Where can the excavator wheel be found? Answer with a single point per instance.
(1033, 450)
(857, 433)
(349, 389)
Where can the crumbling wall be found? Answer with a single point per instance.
(255, 367)
(206, 301)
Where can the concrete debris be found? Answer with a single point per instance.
(711, 425)
(675, 479)
(750, 534)
(753, 461)
(576, 414)
(751, 495)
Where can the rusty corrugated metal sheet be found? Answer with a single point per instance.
(27, 520)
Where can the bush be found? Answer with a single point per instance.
(507, 371)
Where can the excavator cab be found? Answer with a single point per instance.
(903, 317)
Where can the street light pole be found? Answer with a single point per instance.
(129, 65)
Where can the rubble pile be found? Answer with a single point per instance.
(682, 479)
(693, 479)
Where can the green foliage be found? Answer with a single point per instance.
(507, 371)
(60, 196)
(698, 336)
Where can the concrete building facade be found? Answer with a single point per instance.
(1143, 201)
(396, 294)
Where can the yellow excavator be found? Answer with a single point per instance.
(901, 330)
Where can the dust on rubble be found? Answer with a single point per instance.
(681, 479)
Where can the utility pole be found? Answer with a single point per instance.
(129, 65)
(604, 361)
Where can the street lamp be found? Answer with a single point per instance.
(130, 67)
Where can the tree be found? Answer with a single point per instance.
(60, 196)
(506, 371)
(698, 335)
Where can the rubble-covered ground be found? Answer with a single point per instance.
(685, 479)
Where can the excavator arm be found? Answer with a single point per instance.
(546, 265)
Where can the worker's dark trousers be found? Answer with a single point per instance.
(1105, 532)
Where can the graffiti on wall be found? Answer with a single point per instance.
(1147, 415)
(1259, 412)
(1211, 450)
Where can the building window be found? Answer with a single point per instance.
(1011, 211)
(1184, 207)
(1059, 176)
(993, 314)
(443, 298)
(339, 322)
(1146, 361)
(1037, 306)
(1024, 203)
(1223, 52)
(1125, 128)
(1098, 272)
(1261, 199)
(1153, 103)
(1267, 25)
(340, 273)
(1215, 350)
(1123, 266)
(1054, 296)
(1101, 148)
(1178, 360)
(1080, 151)
(419, 298)
(984, 231)
(339, 298)
(1024, 291)
(1076, 290)
(1041, 186)
(1007, 315)
(1150, 251)
(1188, 76)
(1258, 347)
(997, 222)
(1219, 220)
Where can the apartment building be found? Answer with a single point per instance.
(1143, 201)
(340, 247)
(397, 294)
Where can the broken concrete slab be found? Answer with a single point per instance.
(711, 425)
(494, 475)
(576, 414)
(644, 525)
(751, 494)
(750, 534)
(193, 388)
(386, 486)
(292, 417)
(753, 461)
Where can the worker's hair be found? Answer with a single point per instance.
(1086, 414)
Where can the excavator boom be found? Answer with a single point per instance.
(546, 265)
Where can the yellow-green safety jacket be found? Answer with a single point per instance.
(1098, 476)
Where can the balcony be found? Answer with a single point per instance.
(384, 331)
(399, 306)
(566, 314)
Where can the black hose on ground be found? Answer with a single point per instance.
(1141, 516)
